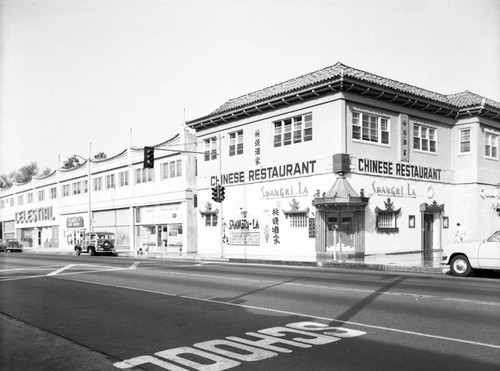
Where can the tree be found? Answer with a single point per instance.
(71, 162)
(100, 155)
(23, 175)
(5, 182)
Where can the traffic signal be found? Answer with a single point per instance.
(215, 193)
(222, 192)
(149, 157)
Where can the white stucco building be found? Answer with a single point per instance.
(343, 158)
(145, 208)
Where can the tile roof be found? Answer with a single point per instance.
(341, 72)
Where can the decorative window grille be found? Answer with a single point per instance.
(298, 220)
(211, 216)
(387, 218)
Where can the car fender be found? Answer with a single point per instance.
(469, 249)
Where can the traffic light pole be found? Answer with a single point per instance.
(221, 213)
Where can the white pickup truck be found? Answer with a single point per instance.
(462, 258)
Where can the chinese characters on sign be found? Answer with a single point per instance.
(257, 147)
(276, 225)
(405, 145)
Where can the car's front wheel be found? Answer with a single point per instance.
(78, 251)
(460, 266)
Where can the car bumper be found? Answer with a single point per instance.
(445, 265)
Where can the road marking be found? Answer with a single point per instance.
(42, 267)
(133, 266)
(363, 291)
(56, 272)
(295, 314)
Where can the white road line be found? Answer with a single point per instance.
(61, 270)
(133, 266)
(329, 288)
(299, 314)
(28, 269)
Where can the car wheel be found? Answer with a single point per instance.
(460, 266)
(78, 251)
(91, 251)
(106, 245)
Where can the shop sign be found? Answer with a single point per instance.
(243, 231)
(492, 194)
(265, 173)
(35, 215)
(289, 191)
(394, 190)
(405, 144)
(244, 238)
(74, 222)
(398, 169)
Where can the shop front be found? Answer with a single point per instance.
(159, 228)
(37, 227)
(74, 230)
(340, 222)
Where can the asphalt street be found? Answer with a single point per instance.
(107, 313)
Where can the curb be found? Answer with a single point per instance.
(332, 264)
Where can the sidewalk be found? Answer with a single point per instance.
(414, 262)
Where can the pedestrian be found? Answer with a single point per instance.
(460, 235)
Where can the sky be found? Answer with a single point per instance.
(88, 76)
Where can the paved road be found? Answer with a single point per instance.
(105, 313)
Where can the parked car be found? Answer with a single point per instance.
(96, 242)
(10, 244)
(462, 258)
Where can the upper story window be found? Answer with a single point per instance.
(12, 202)
(491, 145)
(2, 204)
(98, 184)
(236, 143)
(144, 175)
(370, 128)
(123, 178)
(171, 169)
(424, 138)
(41, 195)
(211, 149)
(77, 188)
(20, 200)
(65, 190)
(465, 141)
(29, 198)
(293, 130)
(110, 181)
(53, 192)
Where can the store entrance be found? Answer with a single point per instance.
(159, 238)
(428, 232)
(340, 231)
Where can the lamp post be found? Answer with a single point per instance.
(87, 160)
